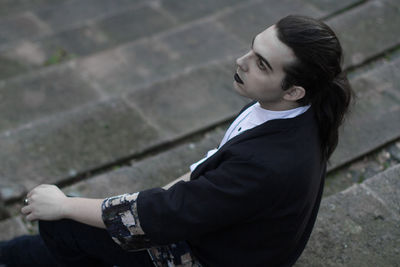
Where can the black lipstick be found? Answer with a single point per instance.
(237, 78)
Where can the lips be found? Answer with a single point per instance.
(237, 78)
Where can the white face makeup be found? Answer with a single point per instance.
(260, 72)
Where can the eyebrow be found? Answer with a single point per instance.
(261, 57)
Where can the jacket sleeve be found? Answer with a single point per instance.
(226, 196)
(121, 219)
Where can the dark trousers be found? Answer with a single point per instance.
(69, 243)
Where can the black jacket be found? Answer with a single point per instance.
(253, 203)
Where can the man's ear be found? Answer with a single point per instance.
(294, 93)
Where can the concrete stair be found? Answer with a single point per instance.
(358, 226)
(99, 96)
(110, 93)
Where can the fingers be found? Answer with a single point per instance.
(38, 201)
(26, 210)
(31, 217)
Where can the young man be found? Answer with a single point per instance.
(251, 202)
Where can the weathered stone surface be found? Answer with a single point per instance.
(42, 93)
(193, 9)
(10, 189)
(190, 102)
(93, 37)
(353, 229)
(25, 52)
(24, 25)
(3, 210)
(9, 67)
(7, 7)
(395, 151)
(72, 13)
(88, 38)
(171, 54)
(367, 30)
(338, 181)
(107, 69)
(142, 63)
(12, 227)
(74, 142)
(201, 43)
(154, 171)
(56, 48)
(375, 118)
(133, 24)
(386, 185)
(330, 6)
(394, 3)
(75, 42)
(249, 20)
(360, 170)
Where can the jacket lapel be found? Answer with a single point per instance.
(266, 128)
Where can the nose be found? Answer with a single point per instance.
(241, 62)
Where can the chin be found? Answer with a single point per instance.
(239, 88)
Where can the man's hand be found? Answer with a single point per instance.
(45, 202)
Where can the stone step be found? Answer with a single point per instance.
(76, 142)
(140, 64)
(12, 227)
(359, 226)
(75, 34)
(59, 35)
(37, 146)
(132, 66)
(128, 67)
(84, 40)
(154, 171)
(368, 30)
(247, 21)
(86, 141)
(356, 227)
(375, 116)
(162, 168)
(62, 15)
(108, 131)
(49, 19)
(11, 7)
(157, 170)
(363, 168)
(43, 93)
(135, 175)
(64, 146)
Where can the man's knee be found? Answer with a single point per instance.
(46, 227)
(54, 228)
(70, 230)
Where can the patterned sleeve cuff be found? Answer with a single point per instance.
(121, 218)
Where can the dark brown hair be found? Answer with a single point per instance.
(318, 70)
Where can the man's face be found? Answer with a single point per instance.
(260, 71)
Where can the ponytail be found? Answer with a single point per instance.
(330, 107)
(318, 70)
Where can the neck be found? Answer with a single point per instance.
(279, 106)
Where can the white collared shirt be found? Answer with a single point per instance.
(250, 118)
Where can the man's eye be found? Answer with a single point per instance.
(260, 64)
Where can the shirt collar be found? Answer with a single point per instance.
(260, 115)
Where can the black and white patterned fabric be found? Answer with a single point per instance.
(121, 218)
